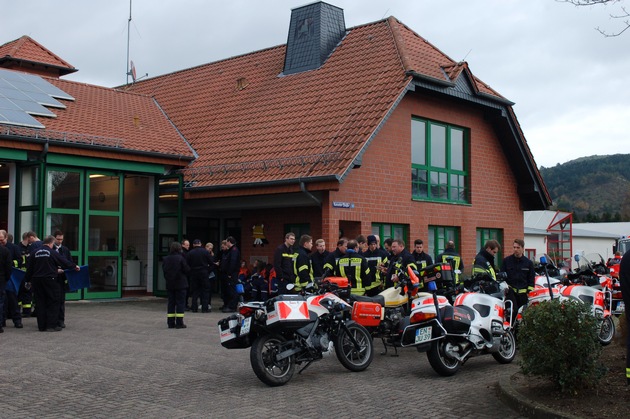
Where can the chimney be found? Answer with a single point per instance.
(314, 31)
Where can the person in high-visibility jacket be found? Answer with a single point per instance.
(354, 266)
(400, 261)
(284, 263)
(453, 258)
(303, 263)
(484, 261)
(376, 258)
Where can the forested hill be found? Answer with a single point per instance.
(594, 188)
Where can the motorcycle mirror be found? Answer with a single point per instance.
(290, 287)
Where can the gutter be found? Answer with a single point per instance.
(300, 182)
(310, 195)
(99, 148)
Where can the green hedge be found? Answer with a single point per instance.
(558, 341)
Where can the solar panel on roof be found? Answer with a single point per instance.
(23, 95)
(20, 117)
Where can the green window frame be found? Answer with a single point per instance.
(392, 231)
(485, 234)
(439, 236)
(439, 162)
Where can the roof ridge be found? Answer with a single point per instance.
(20, 43)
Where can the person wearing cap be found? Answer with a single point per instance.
(422, 259)
(375, 257)
(199, 260)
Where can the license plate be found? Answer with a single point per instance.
(423, 334)
(246, 325)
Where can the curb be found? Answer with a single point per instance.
(526, 407)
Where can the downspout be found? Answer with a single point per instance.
(310, 195)
(42, 155)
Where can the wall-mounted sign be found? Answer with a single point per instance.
(338, 204)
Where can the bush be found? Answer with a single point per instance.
(558, 341)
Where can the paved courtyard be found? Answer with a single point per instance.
(118, 359)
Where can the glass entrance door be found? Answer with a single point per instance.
(169, 201)
(63, 211)
(86, 206)
(104, 234)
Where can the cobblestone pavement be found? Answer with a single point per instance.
(118, 359)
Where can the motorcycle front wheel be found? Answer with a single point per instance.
(606, 331)
(348, 355)
(507, 349)
(263, 359)
(440, 361)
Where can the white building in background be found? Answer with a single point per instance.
(553, 233)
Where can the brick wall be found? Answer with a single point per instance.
(380, 189)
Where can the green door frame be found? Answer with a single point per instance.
(168, 188)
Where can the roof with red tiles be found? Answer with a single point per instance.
(109, 120)
(27, 49)
(249, 123)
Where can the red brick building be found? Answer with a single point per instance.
(332, 146)
(364, 130)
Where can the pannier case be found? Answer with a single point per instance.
(229, 329)
(367, 314)
(287, 311)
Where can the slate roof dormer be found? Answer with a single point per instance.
(26, 54)
(314, 31)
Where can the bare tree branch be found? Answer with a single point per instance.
(624, 15)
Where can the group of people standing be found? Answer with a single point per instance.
(44, 280)
(190, 274)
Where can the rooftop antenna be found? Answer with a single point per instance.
(129, 71)
(464, 59)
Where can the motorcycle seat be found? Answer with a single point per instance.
(378, 299)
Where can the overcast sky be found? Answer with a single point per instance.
(570, 84)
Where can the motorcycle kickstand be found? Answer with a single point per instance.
(385, 346)
(305, 367)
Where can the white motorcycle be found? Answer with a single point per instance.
(477, 324)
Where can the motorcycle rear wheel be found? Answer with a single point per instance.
(507, 349)
(267, 369)
(606, 331)
(440, 362)
(351, 358)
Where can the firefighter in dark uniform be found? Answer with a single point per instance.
(624, 280)
(375, 258)
(303, 263)
(42, 268)
(484, 261)
(63, 281)
(401, 260)
(284, 263)
(422, 259)
(199, 260)
(6, 263)
(451, 256)
(12, 309)
(330, 265)
(520, 276)
(354, 266)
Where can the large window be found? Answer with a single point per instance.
(485, 234)
(439, 236)
(391, 231)
(439, 163)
